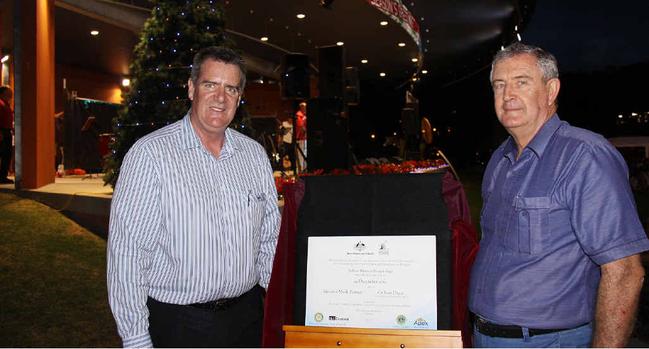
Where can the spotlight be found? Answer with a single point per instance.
(326, 3)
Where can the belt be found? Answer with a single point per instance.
(221, 304)
(509, 331)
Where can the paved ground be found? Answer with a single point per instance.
(91, 185)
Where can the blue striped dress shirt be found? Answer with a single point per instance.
(186, 226)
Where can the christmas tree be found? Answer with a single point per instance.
(157, 96)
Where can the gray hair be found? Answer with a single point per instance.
(545, 60)
(219, 54)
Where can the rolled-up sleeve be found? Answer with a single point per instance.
(134, 224)
(603, 212)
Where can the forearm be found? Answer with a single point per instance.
(268, 242)
(133, 231)
(127, 296)
(269, 231)
(617, 301)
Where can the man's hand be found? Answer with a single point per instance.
(617, 301)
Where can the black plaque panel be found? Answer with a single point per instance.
(400, 204)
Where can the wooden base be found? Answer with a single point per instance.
(332, 337)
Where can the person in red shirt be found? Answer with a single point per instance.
(6, 129)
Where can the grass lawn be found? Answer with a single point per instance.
(471, 182)
(52, 280)
(53, 284)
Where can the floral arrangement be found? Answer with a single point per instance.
(413, 166)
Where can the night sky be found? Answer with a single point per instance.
(603, 52)
(589, 35)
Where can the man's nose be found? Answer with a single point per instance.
(508, 93)
(219, 93)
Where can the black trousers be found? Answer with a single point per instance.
(5, 151)
(180, 326)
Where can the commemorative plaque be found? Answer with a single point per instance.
(372, 282)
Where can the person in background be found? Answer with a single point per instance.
(300, 136)
(288, 151)
(6, 133)
(194, 223)
(559, 262)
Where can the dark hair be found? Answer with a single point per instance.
(4, 89)
(545, 60)
(220, 54)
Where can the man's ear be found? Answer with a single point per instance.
(190, 89)
(553, 86)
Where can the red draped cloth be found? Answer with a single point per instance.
(278, 308)
(464, 244)
(279, 298)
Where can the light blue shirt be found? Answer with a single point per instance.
(550, 219)
(187, 227)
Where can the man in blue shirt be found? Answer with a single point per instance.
(559, 260)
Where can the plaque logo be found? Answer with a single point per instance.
(421, 322)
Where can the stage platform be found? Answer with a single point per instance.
(83, 199)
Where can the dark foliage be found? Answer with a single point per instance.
(157, 95)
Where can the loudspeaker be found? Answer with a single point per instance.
(331, 64)
(295, 76)
(352, 87)
(411, 128)
(327, 134)
(410, 122)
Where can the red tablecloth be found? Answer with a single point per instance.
(280, 295)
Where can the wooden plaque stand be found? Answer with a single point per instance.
(332, 337)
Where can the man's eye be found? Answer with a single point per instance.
(231, 90)
(498, 86)
(521, 82)
(208, 85)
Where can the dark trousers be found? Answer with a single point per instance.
(237, 326)
(5, 151)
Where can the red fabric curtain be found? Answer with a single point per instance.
(278, 307)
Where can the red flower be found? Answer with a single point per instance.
(410, 166)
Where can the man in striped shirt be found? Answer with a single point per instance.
(194, 223)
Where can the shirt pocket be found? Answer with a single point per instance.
(243, 209)
(532, 216)
(256, 207)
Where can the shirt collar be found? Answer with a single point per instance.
(190, 139)
(539, 142)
